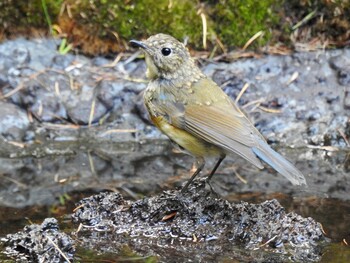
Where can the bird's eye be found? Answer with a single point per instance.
(166, 51)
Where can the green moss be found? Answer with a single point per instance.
(233, 21)
(237, 21)
(23, 13)
(136, 19)
(93, 23)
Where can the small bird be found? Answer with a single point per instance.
(195, 113)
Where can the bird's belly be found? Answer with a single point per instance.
(195, 146)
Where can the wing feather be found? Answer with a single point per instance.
(221, 130)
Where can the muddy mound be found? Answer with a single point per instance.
(196, 218)
(40, 243)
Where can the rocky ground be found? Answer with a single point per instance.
(71, 123)
(296, 100)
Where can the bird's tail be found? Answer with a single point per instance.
(279, 163)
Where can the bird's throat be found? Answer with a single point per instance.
(152, 71)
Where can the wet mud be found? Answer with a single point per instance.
(72, 124)
(194, 226)
(40, 243)
(181, 221)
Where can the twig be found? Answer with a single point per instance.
(293, 78)
(212, 53)
(69, 12)
(92, 112)
(57, 88)
(24, 186)
(304, 20)
(60, 126)
(258, 102)
(79, 228)
(268, 241)
(41, 109)
(269, 110)
(326, 148)
(116, 35)
(195, 239)
(240, 177)
(127, 191)
(10, 93)
(71, 82)
(344, 137)
(119, 131)
(18, 144)
(252, 39)
(30, 116)
(132, 57)
(78, 207)
(91, 162)
(204, 23)
(58, 249)
(31, 77)
(322, 229)
(221, 45)
(115, 61)
(245, 87)
(134, 80)
(170, 216)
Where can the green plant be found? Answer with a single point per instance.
(237, 21)
(64, 47)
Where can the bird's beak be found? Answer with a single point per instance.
(139, 44)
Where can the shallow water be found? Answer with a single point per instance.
(32, 189)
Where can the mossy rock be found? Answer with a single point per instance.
(104, 26)
(138, 19)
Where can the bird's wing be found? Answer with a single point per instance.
(219, 127)
(210, 114)
(224, 125)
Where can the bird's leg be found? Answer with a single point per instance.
(222, 157)
(200, 162)
(213, 172)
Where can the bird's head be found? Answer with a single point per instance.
(165, 56)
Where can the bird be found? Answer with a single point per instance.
(197, 115)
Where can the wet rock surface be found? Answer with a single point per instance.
(14, 122)
(180, 222)
(294, 100)
(40, 243)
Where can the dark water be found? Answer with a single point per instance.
(32, 189)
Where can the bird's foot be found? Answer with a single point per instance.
(210, 188)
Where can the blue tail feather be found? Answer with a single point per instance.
(279, 163)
